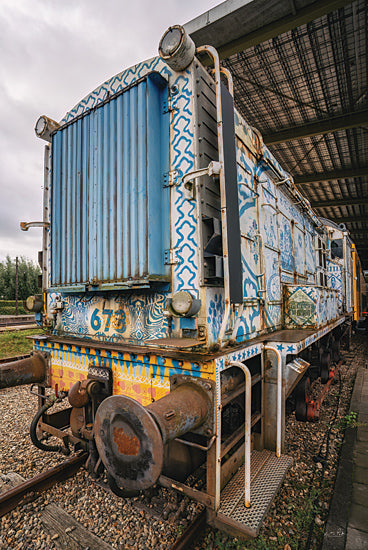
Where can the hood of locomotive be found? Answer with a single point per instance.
(123, 235)
(126, 234)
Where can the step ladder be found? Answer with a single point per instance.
(267, 474)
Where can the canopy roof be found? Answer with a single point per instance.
(300, 77)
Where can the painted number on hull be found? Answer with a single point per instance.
(108, 317)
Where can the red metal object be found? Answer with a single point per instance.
(314, 405)
(77, 395)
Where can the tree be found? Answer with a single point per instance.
(27, 278)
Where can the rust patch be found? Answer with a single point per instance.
(126, 444)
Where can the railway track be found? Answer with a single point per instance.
(20, 322)
(191, 533)
(32, 488)
(9, 320)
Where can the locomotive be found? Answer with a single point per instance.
(187, 289)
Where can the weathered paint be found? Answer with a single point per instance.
(133, 317)
(110, 218)
(142, 377)
(279, 231)
(306, 306)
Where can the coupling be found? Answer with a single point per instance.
(130, 438)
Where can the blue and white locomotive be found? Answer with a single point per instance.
(188, 286)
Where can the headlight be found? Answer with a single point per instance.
(183, 304)
(34, 303)
(45, 126)
(41, 125)
(176, 48)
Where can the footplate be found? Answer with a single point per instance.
(267, 474)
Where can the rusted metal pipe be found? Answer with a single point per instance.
(130, 438)
(78, 396)
(28, 370)
(180, 411)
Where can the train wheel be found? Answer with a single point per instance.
(336, 350)
(301, 399)
(325, 366)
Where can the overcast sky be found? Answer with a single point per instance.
(52, 53)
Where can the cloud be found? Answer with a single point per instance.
(52, 54)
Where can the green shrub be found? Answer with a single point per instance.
(10, 310)
(7, 303)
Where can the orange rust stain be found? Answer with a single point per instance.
(126, 444)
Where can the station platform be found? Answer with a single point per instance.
(347, 525)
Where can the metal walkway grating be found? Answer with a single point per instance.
(267, 474)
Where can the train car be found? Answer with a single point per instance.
(187, 289)
(345, 270)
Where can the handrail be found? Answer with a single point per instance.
(247, 430)
(212, 52)
(229, 78)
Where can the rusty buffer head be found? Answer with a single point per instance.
(129, 442)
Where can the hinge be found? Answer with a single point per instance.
(167, 106)
(171, 256)
(171, 178)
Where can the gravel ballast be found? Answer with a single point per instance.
(155, 521)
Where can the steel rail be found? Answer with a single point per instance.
(31, 489)
(16, 323)
(193, 530)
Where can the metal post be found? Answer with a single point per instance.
(16, 285)
(279, 398)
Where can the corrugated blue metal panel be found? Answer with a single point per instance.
(110, 211)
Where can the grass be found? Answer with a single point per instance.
(303, 517)
(15, 342)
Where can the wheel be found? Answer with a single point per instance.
(301, 399)
(336, 350)
(325, 366)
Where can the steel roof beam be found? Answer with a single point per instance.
(220, 25)
(332, 175)
(350, 219)
(339, 202)
(355, 232)
(325, 126)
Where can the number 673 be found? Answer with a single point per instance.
(106, 317)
